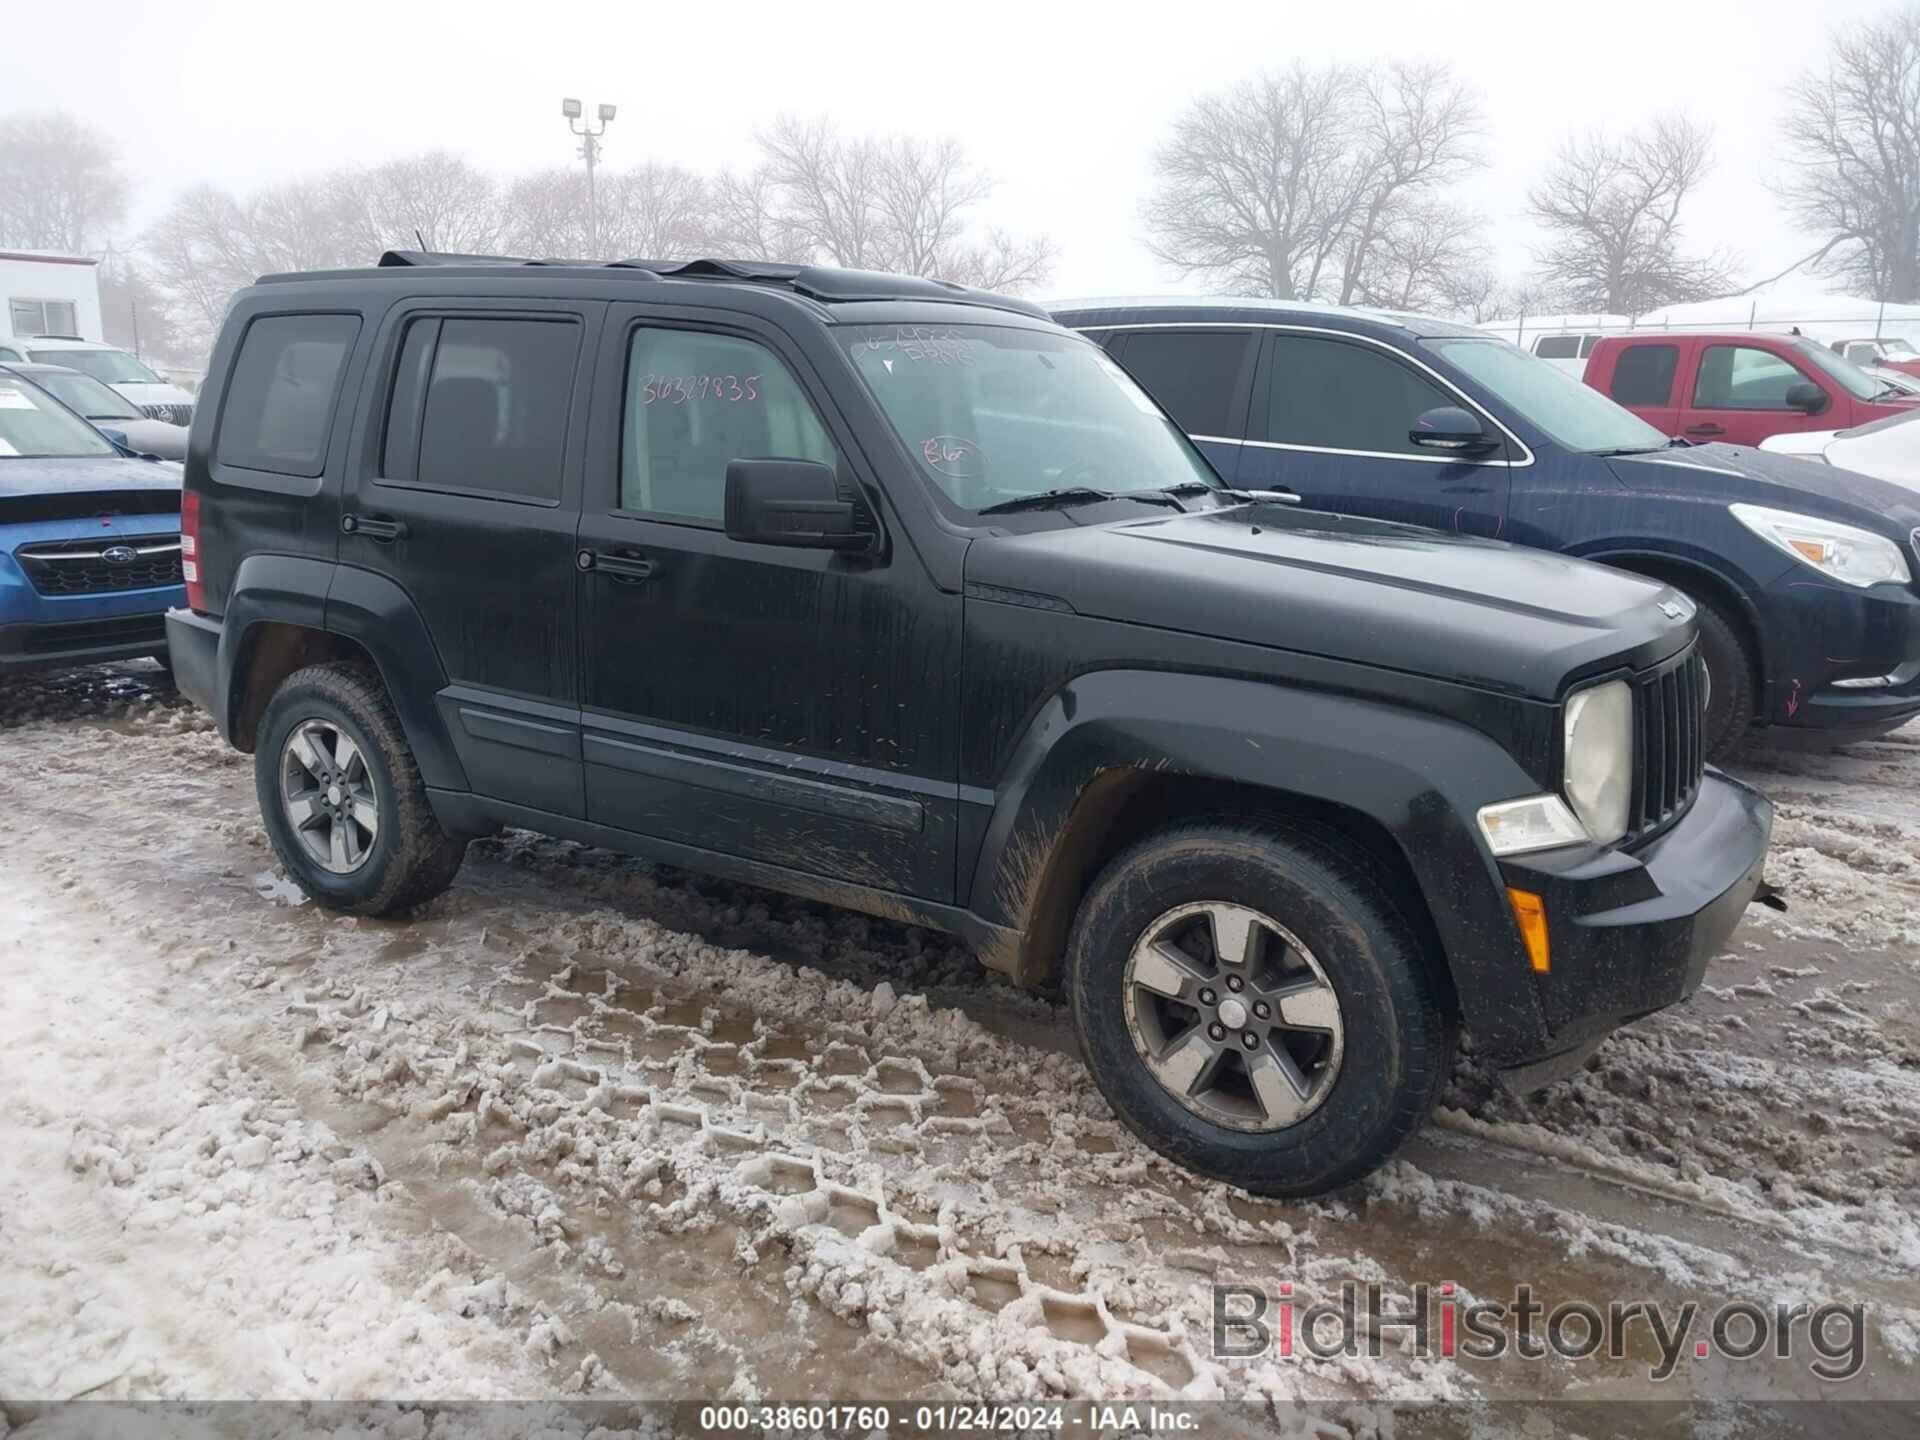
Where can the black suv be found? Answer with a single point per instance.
(900, 596)
(1803, 574)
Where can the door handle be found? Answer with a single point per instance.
(374, 527)
(1708, 429)
(627, 569)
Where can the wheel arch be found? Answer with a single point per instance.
(285, 612)
(1118, 755)
(1703, 581)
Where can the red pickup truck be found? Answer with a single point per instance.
(1740, 387)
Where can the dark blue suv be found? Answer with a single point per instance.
(1803, 574)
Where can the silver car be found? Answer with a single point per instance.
(106, 408)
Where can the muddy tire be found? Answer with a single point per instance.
(1255, 1008)
(1730, 700)
(342, 798)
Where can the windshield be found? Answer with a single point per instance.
(1849, 376)
(1570, 412)
(116, 367)
(33, 426)
(88, 396)
(1897, 349)
(995, 413)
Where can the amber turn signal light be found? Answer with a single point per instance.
(1532, 916)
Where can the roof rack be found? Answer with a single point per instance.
(81, 338)
(823, 283)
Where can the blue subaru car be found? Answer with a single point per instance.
(89, 540)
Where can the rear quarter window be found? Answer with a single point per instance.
(283, 393)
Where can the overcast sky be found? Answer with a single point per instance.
(1062, 104)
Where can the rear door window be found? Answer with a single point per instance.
(285, 387)
(1643, 375)
(480, 406)
(1198, 376)
(1557, 347)
(1327, 394)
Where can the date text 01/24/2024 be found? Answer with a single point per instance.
(951, 1419)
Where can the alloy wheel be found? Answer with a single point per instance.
(327, 793)
(1233, 1016)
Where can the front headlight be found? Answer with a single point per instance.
(1850, 555)
(1599, 758)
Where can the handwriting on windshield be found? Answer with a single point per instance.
(954, 456)
(925, 343)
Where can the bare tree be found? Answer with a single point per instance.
(61, 186)
(651, 211)
(1852, 132)
(1612, 212)
(1426, 255)
(1420, 129)
(1254, 188)
(210, 243)
(752, 223)
(134, 314)
(434, 200)
(1289, 185)
(896, 203)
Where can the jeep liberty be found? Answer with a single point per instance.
(899, 596)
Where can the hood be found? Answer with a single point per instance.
(1478, 612)
(1787, 482)
(155, 437)
(143, 393)
(84, 486)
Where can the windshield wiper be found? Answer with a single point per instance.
(1076, 495)
(1065, 495)
(1634, 449)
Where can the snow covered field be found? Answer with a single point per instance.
(593, 1128)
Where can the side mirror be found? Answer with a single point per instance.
(119, 438)
(1806, 397)
(1448, 427)
(797, 503)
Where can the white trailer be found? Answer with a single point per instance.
(42, 293)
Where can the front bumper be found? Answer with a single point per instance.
(1631, 931)
(66, 643)
(1823, 633)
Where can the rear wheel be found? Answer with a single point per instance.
(342, 798)
(1730, 699)
(1254, 1007)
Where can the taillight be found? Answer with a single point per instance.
(190, 550)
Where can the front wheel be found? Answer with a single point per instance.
(342, 798)
(1730, 700)
(1254, 1007)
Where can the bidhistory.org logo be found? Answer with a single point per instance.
(1439, 1321)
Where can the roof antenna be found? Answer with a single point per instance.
(421, 238)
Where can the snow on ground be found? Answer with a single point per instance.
(589, 1127)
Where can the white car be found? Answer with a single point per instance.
(1886, 449)
(156, 397)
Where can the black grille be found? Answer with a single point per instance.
(87, 635)
(172, 414)
(1669, 754)
(98, 567)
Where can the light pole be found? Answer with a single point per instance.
(590, 152)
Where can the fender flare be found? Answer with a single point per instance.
(1419, 776)
(367, 609)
